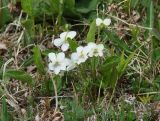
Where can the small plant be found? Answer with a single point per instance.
(59, 62)
(79, 60)
(105, 22)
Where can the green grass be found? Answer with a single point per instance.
(115, 87)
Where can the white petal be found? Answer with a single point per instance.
(91, 54)
(91, 44)
(86, 49)
(65, 47)
(60, 56)
(52, 56)
(107, 21)
(63, 66)
(71, 66)
(50, 66)
(67, 61)
(63, 35)
(99, 21)
(71, 34)
(81, 60)
(79, 49)
(100, 46)
(100, 53)
(58, 42)
(56, 70)
(74, 56)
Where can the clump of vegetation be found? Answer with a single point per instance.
(79, 60)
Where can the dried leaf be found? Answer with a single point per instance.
(3, 46)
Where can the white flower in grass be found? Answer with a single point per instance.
(105, 22)
(57, 62)
(95, 49)
(99, 21)
(81, 55)
(71, 64)
(62, 41)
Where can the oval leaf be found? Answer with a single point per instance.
(73, 45)
(156, 54)
(92, 32)
(38, 60)
(19, 75)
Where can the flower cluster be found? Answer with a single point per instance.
(63, 40)
(58, 62)
(105, 22)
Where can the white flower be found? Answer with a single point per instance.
(95, 50)
(62, 41)
(57, 62)
(105, 22)
(81, 55)
(71, 64)
(99, 21)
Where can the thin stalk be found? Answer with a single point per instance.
(98, 37)
(99, 92)
(55, 91)
(94, 69)
(4, 7)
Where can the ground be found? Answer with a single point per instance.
(117, 82)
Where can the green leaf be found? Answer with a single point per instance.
(59, 82)
(55, 6)
(92, 32)
(1, 75)
(69, 9)
(124, 63)
(19, 75)
(73, 45)
(38, 60)
(111, 60)
(47, 87)
(75, 113)
(109, 71)
(116, 40)
(134, 3)
(69, 4)
(156, 33)
(156, 54)
(1, 62)
(29, 110)
(29, 30)
(110, 75)
(113, 78)
(28, 62)
(5, 15)
(27, 6)
(121, 64)
(4, 114)
(86, 6)
(151, 15)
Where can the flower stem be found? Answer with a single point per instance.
(55, 91)
(93, 64)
